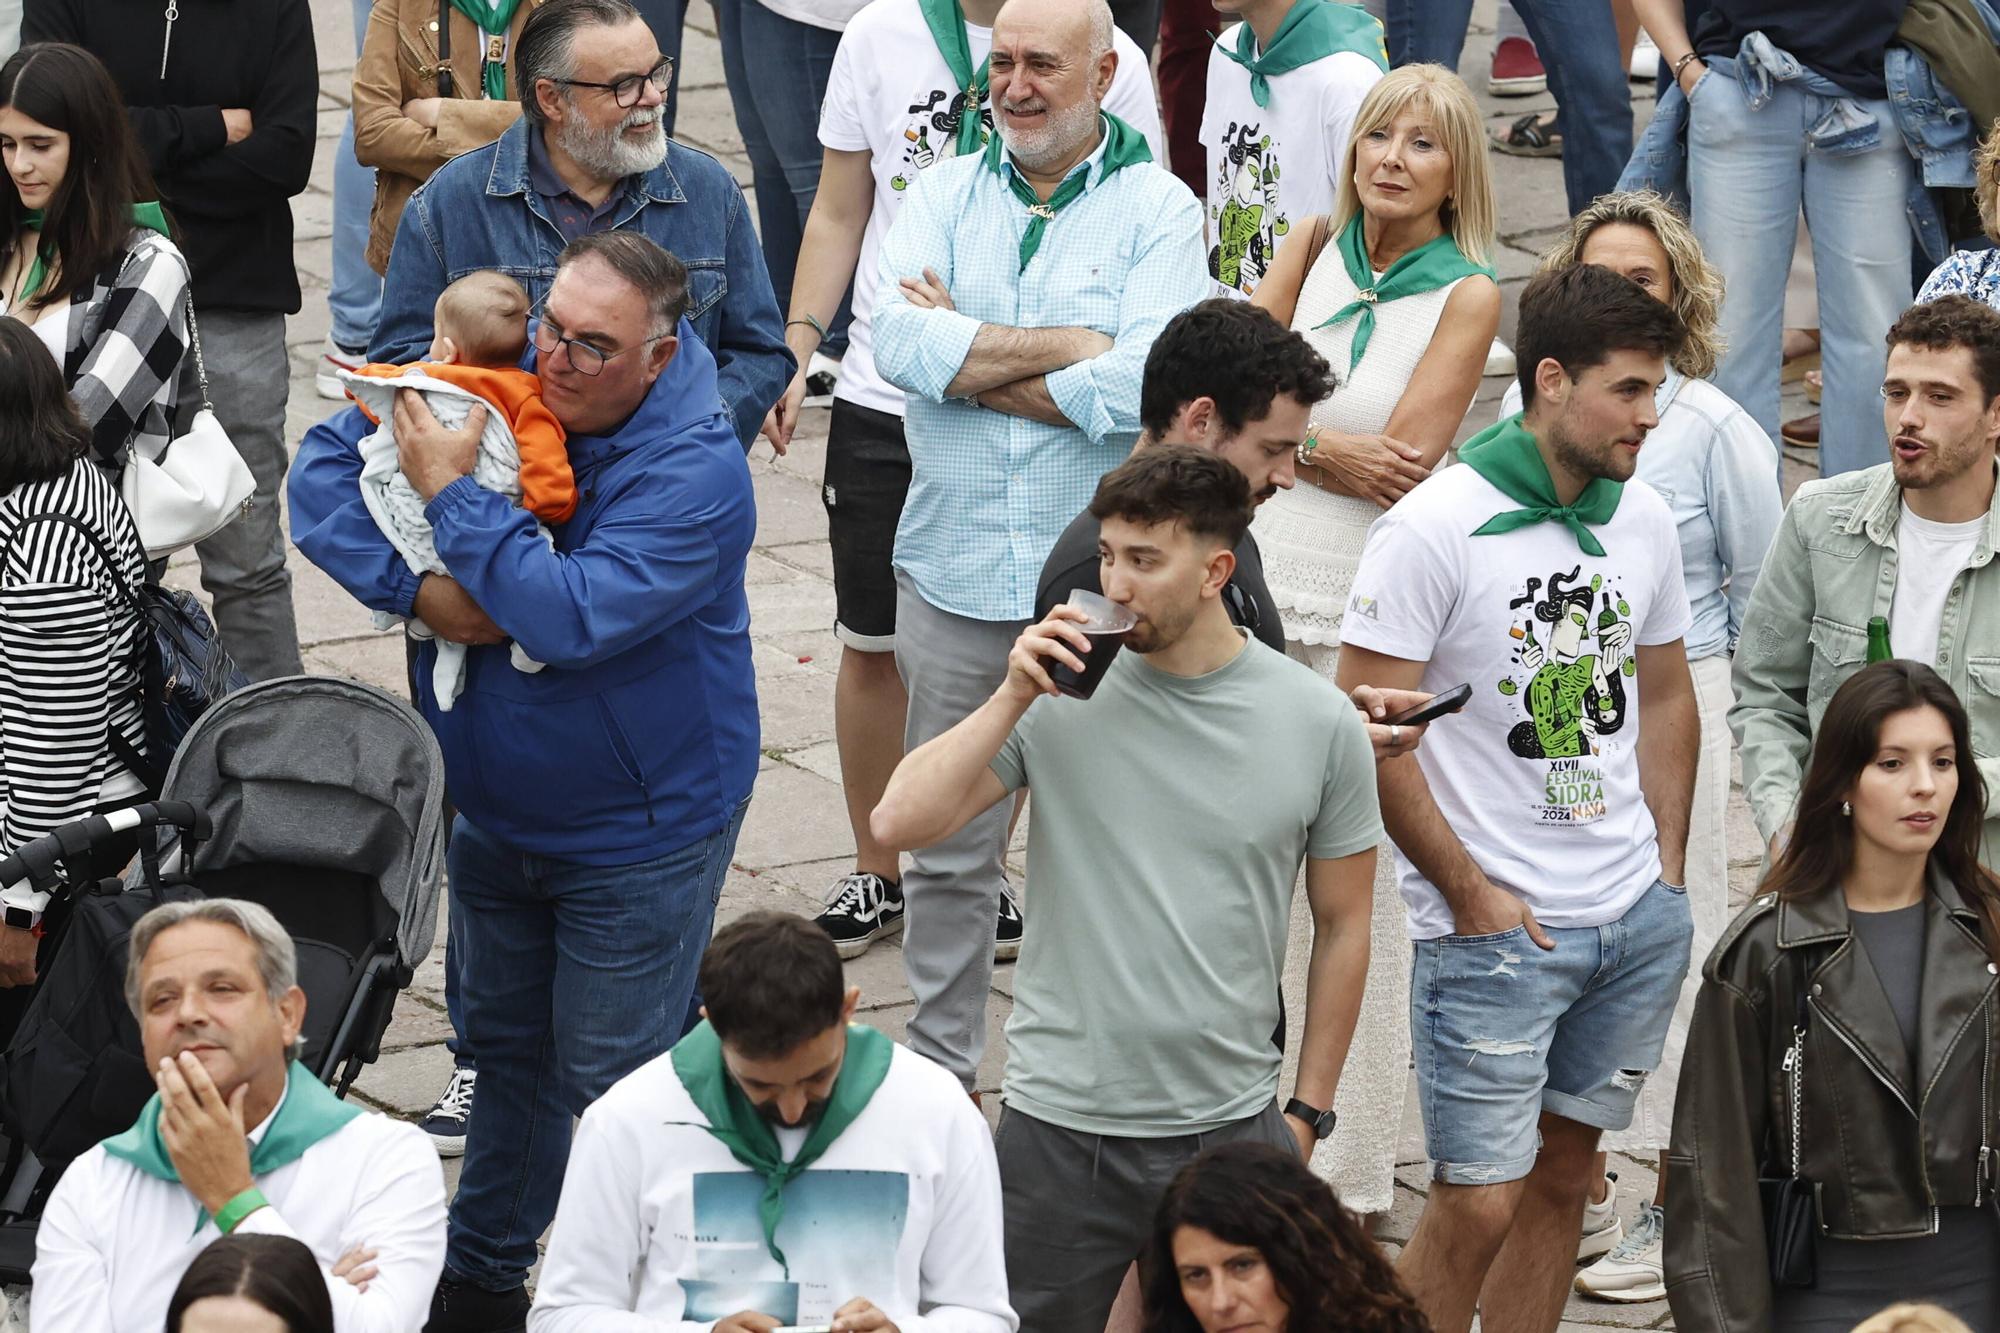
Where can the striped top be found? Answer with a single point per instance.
(69, 642)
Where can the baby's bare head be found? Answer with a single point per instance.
(484, 315)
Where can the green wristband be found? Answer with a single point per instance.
(231, 1214)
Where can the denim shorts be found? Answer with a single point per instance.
(1505, 1030)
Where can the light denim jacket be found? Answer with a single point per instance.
(1831, 568)
(479, 211)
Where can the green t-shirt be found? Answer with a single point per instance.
(1171, 816)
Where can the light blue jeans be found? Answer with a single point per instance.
(355, 296)
(1749, 174)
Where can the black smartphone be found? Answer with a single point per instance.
(1449, 702)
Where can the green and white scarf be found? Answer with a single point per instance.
(1434, 264)
(1313, 30)
(1123, 147)
(946, 20)
(149, 216)
(494, 17)
(1506, 455)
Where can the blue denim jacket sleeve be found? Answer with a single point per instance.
(753, 364)
(333, 528)
(410, 289)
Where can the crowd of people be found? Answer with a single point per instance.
(1357, 744)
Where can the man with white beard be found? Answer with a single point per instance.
(588, 155)
(1020, 289)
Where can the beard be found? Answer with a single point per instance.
(811, 1115)
(1064, 132)
(608, 154)
(1942, 464)
(1607, 461)
(1156, 633)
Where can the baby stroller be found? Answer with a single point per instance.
(320, 799)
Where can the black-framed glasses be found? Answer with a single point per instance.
(625, 91)
(588, 360)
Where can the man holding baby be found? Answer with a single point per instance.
(599, 796)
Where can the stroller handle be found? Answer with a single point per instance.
(38, 861)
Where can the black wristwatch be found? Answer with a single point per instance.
(1322, 1122)
(20, 918)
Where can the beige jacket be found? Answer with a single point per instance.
(399, 62)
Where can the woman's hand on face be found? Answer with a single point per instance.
(1373, 467)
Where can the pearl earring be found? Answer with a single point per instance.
(1846, 809)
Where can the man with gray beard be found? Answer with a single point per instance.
(590, 154)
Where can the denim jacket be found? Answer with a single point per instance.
(1934, 125)
(479, 211)
(1831, 567)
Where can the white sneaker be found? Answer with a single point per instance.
(1499, 359)
(1601, 1228)
(332, 360)
(1633, 1270)
(1645, 60)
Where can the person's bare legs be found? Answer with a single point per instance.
(1457, 1238)
(1529, 1280)
(868, 707)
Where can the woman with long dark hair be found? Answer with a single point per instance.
(1844, 1037)
(1248, 1237)
(248, 1281)
(86, 259)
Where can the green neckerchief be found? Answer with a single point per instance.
(737, 1125)
(1505, 454)
(1123, 147)
(493, 20)
(946, 20)
(1313, 30)
(307, 1114)
(1434, 264)
(149, 216)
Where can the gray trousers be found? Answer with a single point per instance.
(1078, 1208)
(951, 892)
(243, 565)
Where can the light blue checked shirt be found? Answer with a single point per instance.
(989, 492)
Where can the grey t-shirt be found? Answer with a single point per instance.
(1171, 815)
(1894, 943)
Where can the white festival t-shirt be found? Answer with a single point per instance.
(1271, 167)
(1929, 557)
(1539, 775)
(891, 95)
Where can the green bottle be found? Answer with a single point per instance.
(1878, 640)
(1605, 620)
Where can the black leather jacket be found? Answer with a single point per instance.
(1883, 1153)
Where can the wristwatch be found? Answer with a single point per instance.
(1322, 1122)
(20, 918)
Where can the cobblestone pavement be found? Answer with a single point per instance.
(796, 839)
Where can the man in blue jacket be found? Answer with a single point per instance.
(590, 154)
(599, 799)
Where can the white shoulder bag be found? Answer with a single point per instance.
(196, 486)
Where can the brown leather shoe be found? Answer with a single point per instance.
(1802, 433)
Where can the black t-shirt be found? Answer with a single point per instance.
(1073, 563)
(1842, 39)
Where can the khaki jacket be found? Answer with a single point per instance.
(399, 62)
(1886, 1140)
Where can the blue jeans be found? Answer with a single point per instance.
(665, 18)
(1578, 43)
(777, 70)
(1504, 1030)
(354, 298)
(573, 976)
(1748, 175)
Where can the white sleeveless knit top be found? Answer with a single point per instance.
(1311, 539)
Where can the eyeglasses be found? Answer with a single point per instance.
(586, 359)
(625, 91)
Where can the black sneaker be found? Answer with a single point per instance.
(459, 1307)
(860, 909)
(447, 1120)
(1007, 939)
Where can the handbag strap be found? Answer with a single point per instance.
(1317, 244)
(444, 48)
(1795, 1068)
(194, 343)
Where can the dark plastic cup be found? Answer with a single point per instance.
(1106, 628)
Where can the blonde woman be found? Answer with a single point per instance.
(1393, 290)
(1975, 273)
(1718, 473)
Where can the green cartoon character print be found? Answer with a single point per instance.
(1247, 225)
(1574, 696)
(933, 132)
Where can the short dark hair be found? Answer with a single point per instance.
(1955, 321)
(639, 260)
(277, 1273)
(771, 981)
(1177, 483)
(1235, 353)
(1579, 316)
(542, 51)
(41, 434)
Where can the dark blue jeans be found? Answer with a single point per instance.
(777, 69)
(1578, 43)
(665, 18)
(573, 976)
